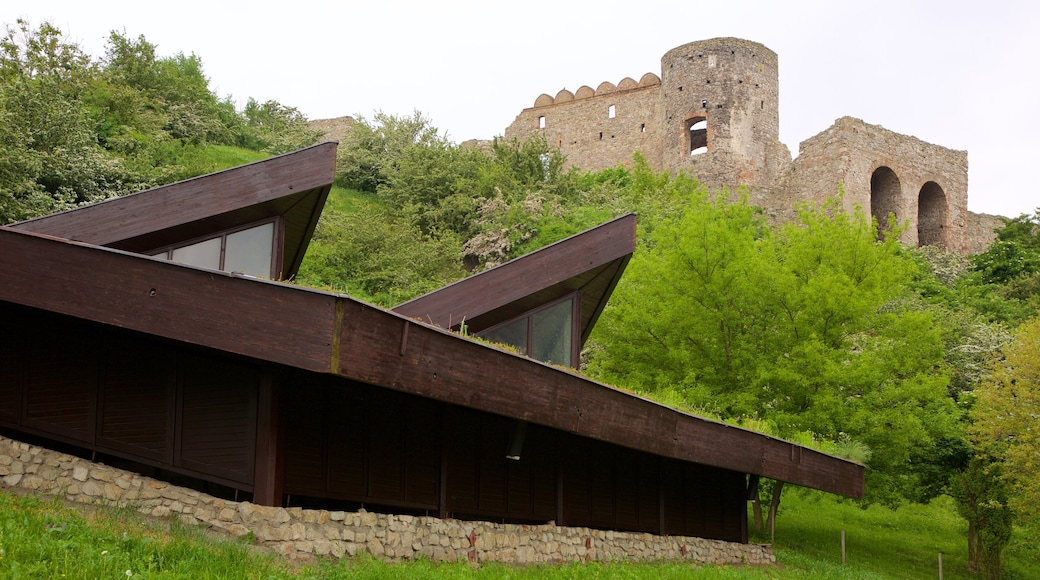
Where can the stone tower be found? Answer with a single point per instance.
(719, 112)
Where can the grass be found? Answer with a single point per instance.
(47, 539)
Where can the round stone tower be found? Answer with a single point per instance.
(720, 112)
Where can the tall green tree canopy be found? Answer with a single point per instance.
(74, 130)
(798, 324)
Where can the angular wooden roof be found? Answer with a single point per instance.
(335, 334)
(590, 263)
(294, 186)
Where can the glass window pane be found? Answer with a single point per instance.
(513, 334)
(249, 251)
(205, 254)
(551, 334)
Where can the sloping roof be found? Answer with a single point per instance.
(590, 262)
(335, 334)
(294, 186)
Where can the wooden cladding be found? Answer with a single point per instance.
(334, 334)
(128, 396)
(354, 442)
(362, 444)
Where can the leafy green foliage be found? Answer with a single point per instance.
(365, 253)
(798, 325)
(1005, 428)
(73, 131)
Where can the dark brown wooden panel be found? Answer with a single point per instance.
(431, 363)
(61, 393)
(347, 414)
(540, 452)
(649, 481)
(304, 440)
(137, 400)
(13, 338)
(217, 430)
(422, 451)
(575, 465)
(234, 314)
(494, 439)
(626, 490)
(463, 461)
(386, 460)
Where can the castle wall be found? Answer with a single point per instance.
(734, 85)
(723, 94)
(852, 152)
(581, 127)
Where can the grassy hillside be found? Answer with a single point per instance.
(46, 539)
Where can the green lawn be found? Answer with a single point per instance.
(47, 539)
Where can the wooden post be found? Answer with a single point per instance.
(843, 547)
(269, 461)
(940, 566)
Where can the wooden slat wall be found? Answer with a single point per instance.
(62, 377)
(217, 431)
(137, 400)
(129, 396)
(12, 354)
(196, 413)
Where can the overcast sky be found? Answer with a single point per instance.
(965, 75)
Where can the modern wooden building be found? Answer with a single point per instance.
(153, 329)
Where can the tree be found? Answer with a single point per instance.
(800, 325)
(50, 156)
(1006, 429)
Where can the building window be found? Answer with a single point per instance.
(546, 334)
(246, 251)
(611, 111)
(541, 122)
(697, 135)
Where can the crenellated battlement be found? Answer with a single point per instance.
(714, 112)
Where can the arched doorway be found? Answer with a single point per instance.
(884, 197)
(931, 215)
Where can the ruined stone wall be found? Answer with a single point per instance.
(981, 231)
(918, 174)
(733, 84)
(581, 126)
(297, 532)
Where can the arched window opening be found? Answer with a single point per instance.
(697, 135)
(931, 215)
(884, 198)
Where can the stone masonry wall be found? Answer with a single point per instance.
(580, 124)
(850, 151)
(297, 532)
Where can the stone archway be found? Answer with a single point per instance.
(695, 134)
(931, 215)
(885, 191)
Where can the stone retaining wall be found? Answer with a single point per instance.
(296, 532)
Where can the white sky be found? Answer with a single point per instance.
(965, 75)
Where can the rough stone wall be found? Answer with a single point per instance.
(981, 232)
(297, 532)
(734, 85)
(851, 152)
(581, 127)
(729, 82)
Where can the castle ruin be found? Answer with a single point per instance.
(714, 113)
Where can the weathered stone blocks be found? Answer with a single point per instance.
(296, 532)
